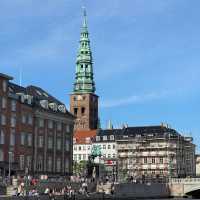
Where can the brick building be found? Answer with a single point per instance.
(36, 131)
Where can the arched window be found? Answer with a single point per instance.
(2, 137)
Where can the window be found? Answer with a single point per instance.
(40, 141)
(12, 138)
(58, 143)
(79, 148)
(88, 147)
(11, 154)
(3, 119)
(67, 145)
(105, 137)
(75, 147)
(161, 160)
(41, 123)
(50, 124)
(109, 146)
(109, 156)
(50, 142)
(30, 119)
(22, 139)
(75, 157)
(4, 102)
(83, 110)
(49, 164)
(113, 155)
(97, 138)
(84, 156)
(4, 85)
(112, 137)
(161, 171)
(1, 155)
(21, 162)
(29, 139)
(113, 146)
(75, 111)
(153, 160)
(79, 156)
(59, 126)
(145, 160)
(13, 105)
(67, 128)
(153, 171)
(58, 165)
(39, 163)
(104, 146)
(2, 137)
(23, 118)
(67, 164)
(28, 161)
(13, 120)
(87, 140)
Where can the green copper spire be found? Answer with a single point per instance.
(84, 82)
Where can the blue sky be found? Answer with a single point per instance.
(146, 55)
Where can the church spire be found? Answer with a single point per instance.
(84, 82)
(83, 100)
(84, 18)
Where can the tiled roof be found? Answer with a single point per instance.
(40, 94)
(6, 76)
(37, 93)
(81, 136)
(140, 130)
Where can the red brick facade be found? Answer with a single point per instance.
(33, 137)
(85, 108)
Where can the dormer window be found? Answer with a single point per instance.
(112, 137)
(38, 92)
(105, 138)
(98, 138)
(87, 140)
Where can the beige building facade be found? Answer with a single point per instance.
(155, 152)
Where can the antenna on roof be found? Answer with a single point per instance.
(20, 76)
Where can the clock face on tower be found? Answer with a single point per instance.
(79, 98)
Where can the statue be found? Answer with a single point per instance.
(91, 166)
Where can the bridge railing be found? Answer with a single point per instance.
(184, 180)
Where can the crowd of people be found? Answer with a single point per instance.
(29, 186)
(67, 187)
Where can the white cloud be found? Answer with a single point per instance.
(133, 99)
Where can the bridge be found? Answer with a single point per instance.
(184, 186)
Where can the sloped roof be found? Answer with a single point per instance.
(81, 136)
(158, 131)
(37, 93)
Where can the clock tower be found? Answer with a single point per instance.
(83, 100)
